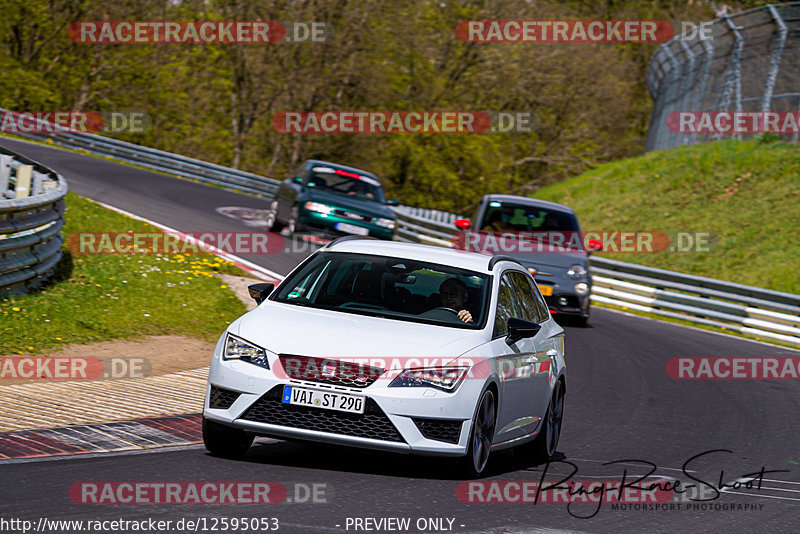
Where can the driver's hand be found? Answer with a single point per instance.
(465, 316)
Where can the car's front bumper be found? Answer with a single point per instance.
(329, 223)
(568, 304)
(388, 409)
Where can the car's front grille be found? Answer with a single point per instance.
(328, 371)
(222, 398)
(372, 424)
(445, 430)
(352, 215)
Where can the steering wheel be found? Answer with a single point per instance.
(445, 308)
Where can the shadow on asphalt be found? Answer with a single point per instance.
(353, 460)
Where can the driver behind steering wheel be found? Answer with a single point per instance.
(453, 294)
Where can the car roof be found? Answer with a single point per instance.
(471, 261)
(528, 201)
(340, 166)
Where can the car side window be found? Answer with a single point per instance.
(542, 310)
(541, 306)
(526, 297)
(506, 307)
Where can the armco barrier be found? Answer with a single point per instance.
(31, 217)
(419, 225)
(749, 310)
(152, 158)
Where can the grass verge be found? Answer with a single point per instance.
(107, 297)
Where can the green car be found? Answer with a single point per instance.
(333, 198)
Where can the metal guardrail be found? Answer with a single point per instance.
(31, 217)
(749, 310)
(151, 158)
(421, 225)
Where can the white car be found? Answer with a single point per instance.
(393, 346)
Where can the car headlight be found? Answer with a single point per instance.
(239, 349)
(444, 378)
(581, 288)
(576, 271)
(386, 223)
(319, 208)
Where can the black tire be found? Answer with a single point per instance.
(224, 441)
(473, 465)
(583, 320)
(273, 225)
(544, 447)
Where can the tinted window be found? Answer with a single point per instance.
(531, 300)
(346, 183)
(507, 217)
(393, 288)
(541, 305)
(506, 307)
(526, 297)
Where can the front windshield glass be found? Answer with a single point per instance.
(346, 183)
(393, 288)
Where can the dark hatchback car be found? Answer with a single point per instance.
(333, 198)
(546, 238)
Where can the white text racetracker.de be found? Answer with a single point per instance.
(399, 524)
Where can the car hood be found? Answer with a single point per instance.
(288, 329)
(351, 203)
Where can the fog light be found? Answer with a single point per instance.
(562, 301)
(581, 288)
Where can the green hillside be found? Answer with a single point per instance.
(746, 194)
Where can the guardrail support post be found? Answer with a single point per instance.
(5, 172)
(22, 188)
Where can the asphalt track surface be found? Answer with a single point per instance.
(621, 405)
(180, 204)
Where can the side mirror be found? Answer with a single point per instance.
(297, 180)
(392, 202)
(260, 292)
(594, 246)
(462, 224)
(520, 329)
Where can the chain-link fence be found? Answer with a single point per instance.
(747, 62)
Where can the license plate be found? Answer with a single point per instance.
(547, 291)
(351, 229)
(340, 402)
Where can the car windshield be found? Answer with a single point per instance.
(393, 288)
(506, 217)
(346, 183)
